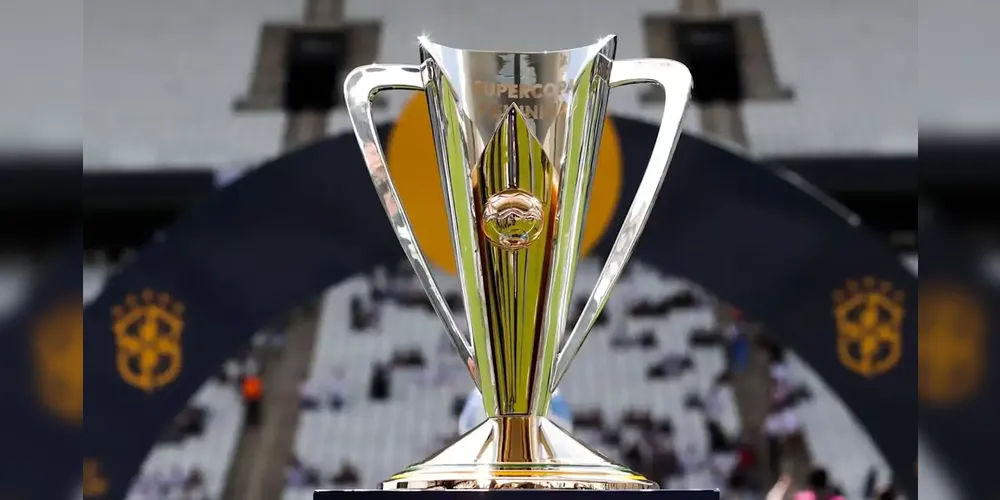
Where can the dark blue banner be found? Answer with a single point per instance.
(959, 352)
(226, 269)
(828, 289)
(41, 366)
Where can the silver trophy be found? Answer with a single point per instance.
(517, 136)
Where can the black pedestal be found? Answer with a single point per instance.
(517, 495)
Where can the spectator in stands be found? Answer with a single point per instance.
(364, 314)
(310, 396)
(870, 483)
(191, 421)
(738, 488)
(722, 467)
(774, 432)
(336, 389)
(714, 403)
(175, 480)
(381, 380)
(621, 340)
(780, 374)
(347, 476)
(778, 363)
(718, 441)
(295, 474)
(232, 370)
(250, 365)
(666, 465)
(747, 457)
(636, 453)
(373, 315)
(737, 341)
(298, 475)
(358, 315)
(405, 358)
(780, 424)
(161, 483)
(194, 486)
(888, 493)
(723, 457)
(691, 461)
(818, 487)
(739, 472)
(253, 393)
(647, 340)
(669, 366)
(379, 290)
(780, 488)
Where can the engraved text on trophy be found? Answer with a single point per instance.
(536, 101)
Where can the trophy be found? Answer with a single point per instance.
(517, 136)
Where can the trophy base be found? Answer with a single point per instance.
(517, 453)
(519, 495)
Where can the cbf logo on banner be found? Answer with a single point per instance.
(869, 316)
(959, 325)
(289, 229)
(41, 367)
(148, 329)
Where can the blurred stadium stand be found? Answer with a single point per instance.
(210, 452)
(328, 439)
(832, 435)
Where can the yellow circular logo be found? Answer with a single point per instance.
(952, 332)
(414, 171)
(58, 355)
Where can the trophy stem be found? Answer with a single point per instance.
(518, 439)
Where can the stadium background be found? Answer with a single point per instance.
(161, 133)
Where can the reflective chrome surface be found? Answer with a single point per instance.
(675, 80)
(517, 453)
(517, 137)
(528, 122)
(360, 87)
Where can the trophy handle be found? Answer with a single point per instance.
(675, 79)
(360, 88)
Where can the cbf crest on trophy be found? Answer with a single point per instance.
(148, 329)
(869, 314)
(517, 136)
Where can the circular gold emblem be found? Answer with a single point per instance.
(512, 219)
(414, 171)
(58, 353)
